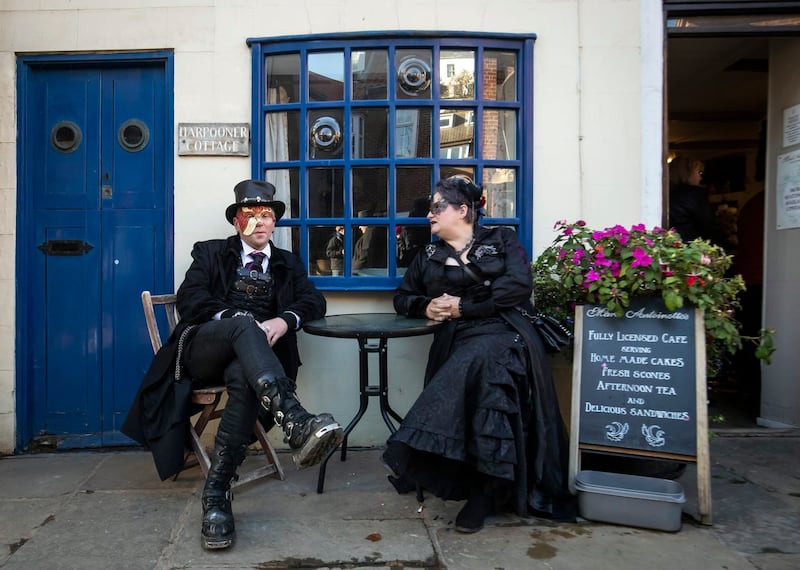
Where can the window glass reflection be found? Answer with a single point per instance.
(369, 250)
(326, 250)
(499, 134)
(283, 78)
(457, 74)
(370, 191)
(456, 133)
(370, 69)
(325, 192)
(326, 76)
(465, 171)
(412, 237)
(282, 136)
(413, 133)
(369, 131)
(500, 187)
(287, 190)
(499, 76)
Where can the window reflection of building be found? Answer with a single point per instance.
(339, 139)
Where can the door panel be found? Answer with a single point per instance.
(64, 179)
(134, 248)
(95, 167)
(132, 153)
(66, 348)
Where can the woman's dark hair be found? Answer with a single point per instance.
(459, 190)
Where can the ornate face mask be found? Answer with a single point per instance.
(248, 217)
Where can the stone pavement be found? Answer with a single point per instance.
(87, 510)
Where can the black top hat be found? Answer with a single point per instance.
(254, 193)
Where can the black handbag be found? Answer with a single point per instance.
(554, 335)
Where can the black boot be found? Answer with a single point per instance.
(218, 530)
(311, 435)
(474, 512)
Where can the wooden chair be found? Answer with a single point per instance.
(209, 399)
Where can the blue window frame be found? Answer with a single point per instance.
(344, 126)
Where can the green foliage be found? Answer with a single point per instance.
(610, 267)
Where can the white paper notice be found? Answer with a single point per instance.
(791, 126)
(788, 190)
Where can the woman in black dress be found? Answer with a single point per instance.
(487, 426)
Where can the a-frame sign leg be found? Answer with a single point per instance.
(703, 454)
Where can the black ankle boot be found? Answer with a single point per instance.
(218, 528)
(312, 436)
(472, 515)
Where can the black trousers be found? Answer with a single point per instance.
(234, 352)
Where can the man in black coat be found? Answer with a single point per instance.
(241, 303)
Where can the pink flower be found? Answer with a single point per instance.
(600, 259)
(705, 260)
(639, 228)
(591, 276)
(640, 257)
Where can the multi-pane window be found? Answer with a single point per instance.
(355, 130)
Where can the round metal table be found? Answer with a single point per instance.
(372, 331)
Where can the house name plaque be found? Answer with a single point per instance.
(213, 139)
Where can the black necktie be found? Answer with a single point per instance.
(258, 259)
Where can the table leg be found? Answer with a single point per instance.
(383, 387)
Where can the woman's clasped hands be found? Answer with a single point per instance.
(443, 308)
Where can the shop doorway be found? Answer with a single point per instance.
(716, 108)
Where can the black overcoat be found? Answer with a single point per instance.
(160, 412)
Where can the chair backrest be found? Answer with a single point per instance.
(149, 304)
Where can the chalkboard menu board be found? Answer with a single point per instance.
(638, 379)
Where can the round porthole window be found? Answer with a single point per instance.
(133, 135)
(326, 134)
(65, 136)
(413, 76)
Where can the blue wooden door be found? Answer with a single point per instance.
(94, 180)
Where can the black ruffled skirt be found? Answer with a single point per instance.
(465, 431)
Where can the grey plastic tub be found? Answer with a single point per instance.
(630, 500)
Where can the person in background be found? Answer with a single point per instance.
(412, 239)
(241, 304)
(690, 212)
(334, 249)
(486, 427)
(369, 250)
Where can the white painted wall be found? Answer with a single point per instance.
(780, 389)
(594, 119)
